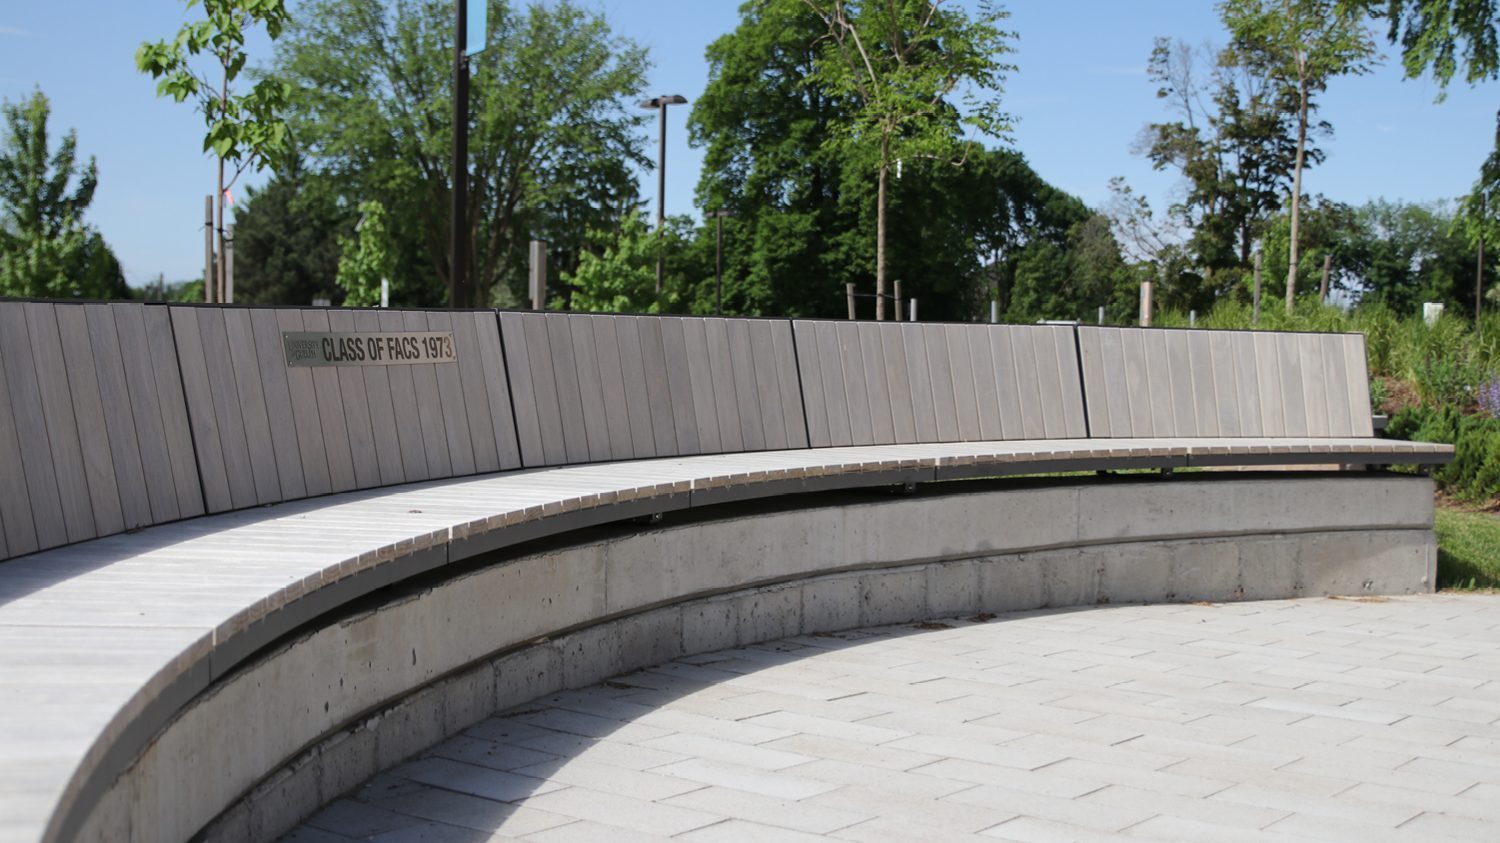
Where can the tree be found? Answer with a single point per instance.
(243, 129)
(366, 259)
(286, 238)
(551, 144)
(619, 276)
(46, 249)
(1306, 43)
(900, 62)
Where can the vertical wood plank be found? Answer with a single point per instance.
(856, 390)
(612, 384)
(475, 390)
(1335, 379)
(404, 406)
(705, 411)
(726, 398)
(898, 384)
(986, 394)
(1358, 386)
(361, 431)
(1200, 366)
(762, 364)
(633, 372)
(658, 386)
(1159, 383)
(1095, 385)
(877, 384)
(1007, 381)
(252, 400)
(137, 368)
(238, 464)
(307, 412)
(569, 398)
(270, 359)
(940, 368)
(1180, 373)
(965, 405)
(1314, 390)
(1049, 381)
(1226, 388)
(1137, 383)
(177, 430)
(454, 406)
(1268, 384)
(1247, 381)
(919, 375)
(793, 415)
(87, 407)
(835, 397)
(526, 394)
(1294, 403)
(1072, 385)
(1029, 384)
(330, 402)
(16, 492)
(200, 409)
(746, 391)
(382, 404)
(590, 386)
(62, 427)
(119, 414)
(1118, 398)
(814, 400)
(680, 384)
(497, 390)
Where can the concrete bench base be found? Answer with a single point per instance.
(317, 713)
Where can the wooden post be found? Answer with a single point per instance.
(208, 249)
(898, 300)
(849, 292)
(538, 280)
(1145, 316)
(1255, 307)
(1323, 287)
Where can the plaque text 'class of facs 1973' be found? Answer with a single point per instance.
(394, 348)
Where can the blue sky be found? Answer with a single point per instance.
(1080, 96)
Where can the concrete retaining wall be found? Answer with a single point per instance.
(307, 721)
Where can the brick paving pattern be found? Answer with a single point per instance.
(1323, 719)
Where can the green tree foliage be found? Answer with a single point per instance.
(366, 257)
(619, 274)
(1402, 254)
(243, 129)
(1304, 44)
(1442, 36)
(46, 249)
(898, 66)
(286, 239)
(550, 141)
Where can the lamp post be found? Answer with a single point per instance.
(718, 218)
(660, 105)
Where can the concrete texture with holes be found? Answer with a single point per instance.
(1331, 719)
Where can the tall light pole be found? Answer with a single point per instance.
(660, 105)
(718, 218)
(466, 42)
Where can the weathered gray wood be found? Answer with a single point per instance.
(1226, 396)
(16, 492)
(1180, 371)
(454, 406)
(118, 413)
(1095, 384)
(856, 391)
(137, 373)
(962, 366)
(1117, 398)
(1268, 384)
(835, 395)
(785, 353)
(270, 359)
(1048, 381)
(200, 407)
(898, 385)
(1137, 383)
(1314, 389)
(986, 389)
(1247, 383)
(62, 427)
(382, 406)
(1008, 384)
(404, 406)
(520, 372)
(940, 369)
(633, 373)
(612, 384)
(1200, 365)
(919, 375)
(252, 404)
(361, 432)
(680, 383)
(762, 364)
(658, 387)
(746, 392)
(497, 390)
(871, 364)
(559, 350)
(1159, 382)
(1028, 384)
(1335, 379)
(705, 411)
(1294, 402)
(244, 491)
(87, 406)
(590, 386)
(164, 366)
(1358, 385)
(307, 413)
(814, 392)
(1072, 385)
(721, 369)
(474, 388)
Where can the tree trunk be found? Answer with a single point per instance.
(885, 151)
(219, 263)
(1292, 256)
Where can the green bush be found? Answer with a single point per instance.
(1474, 474)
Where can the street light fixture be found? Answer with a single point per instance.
(660, 104)
(718, 218)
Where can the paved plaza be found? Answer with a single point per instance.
(1328, 719)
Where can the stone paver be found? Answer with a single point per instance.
(1326, 719)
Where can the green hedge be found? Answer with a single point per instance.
(1474, 474)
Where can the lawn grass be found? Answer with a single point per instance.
(1468, 549)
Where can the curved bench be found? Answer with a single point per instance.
(150, 621)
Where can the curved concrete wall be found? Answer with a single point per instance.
(314, 716)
